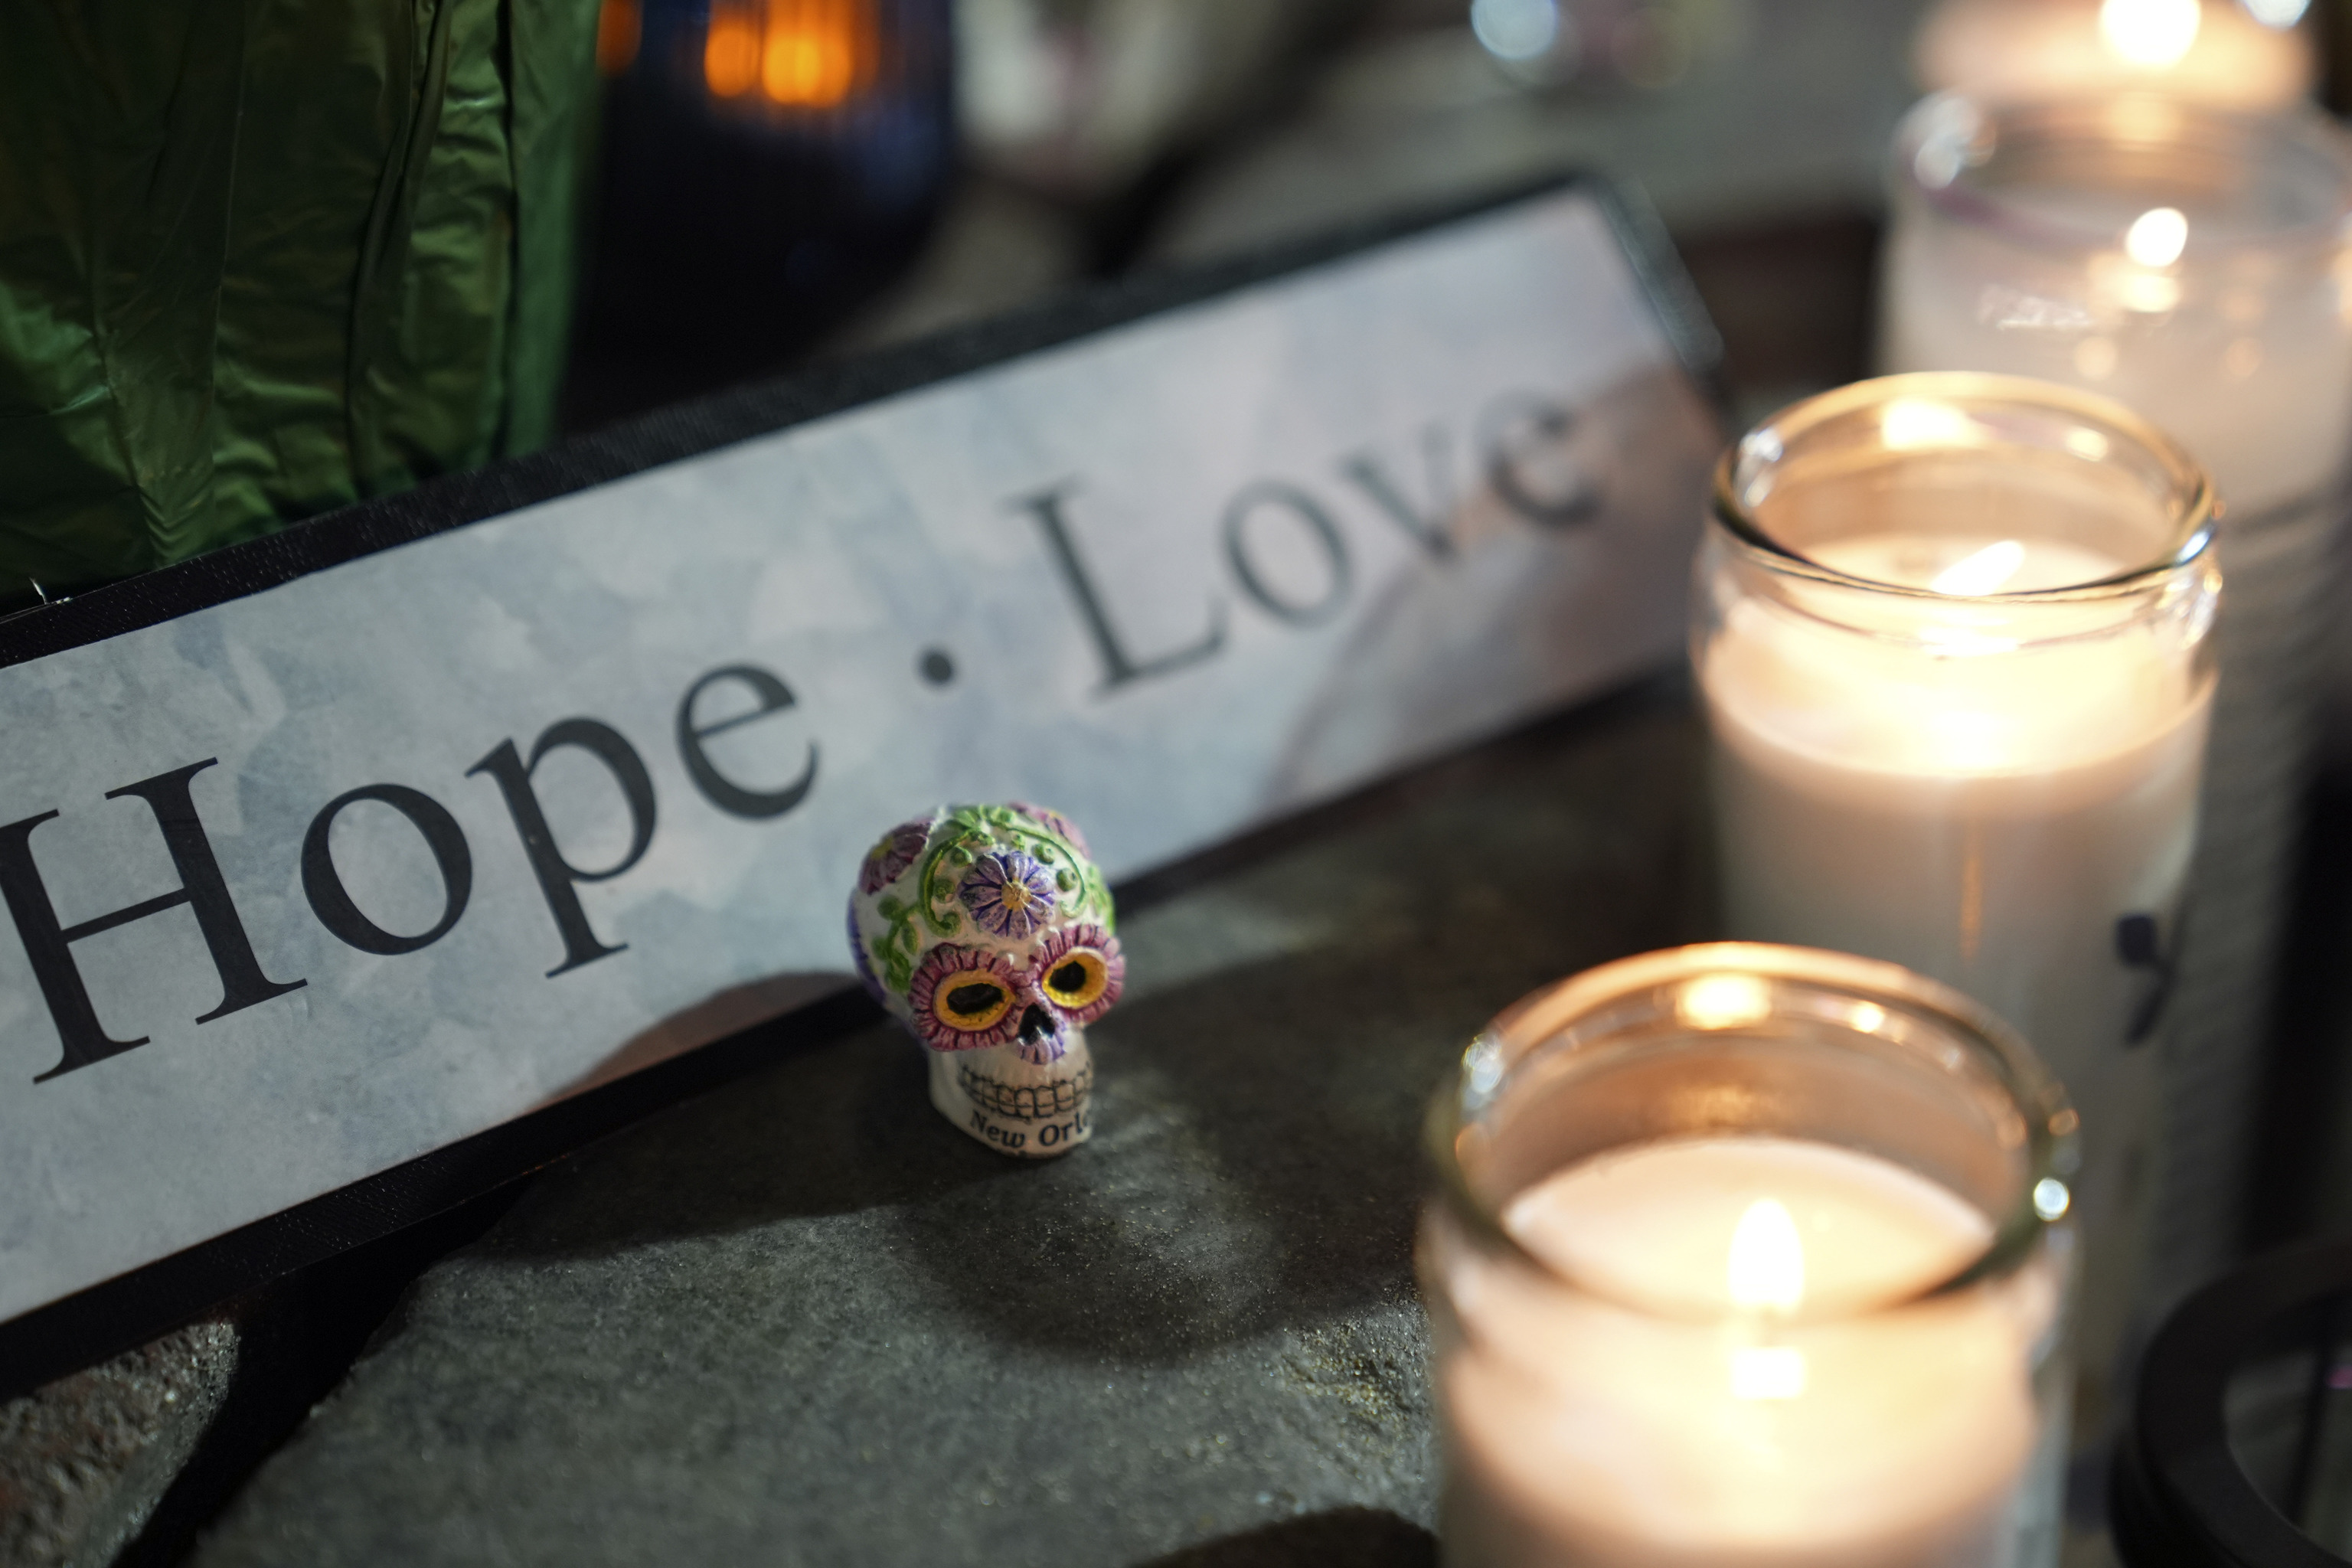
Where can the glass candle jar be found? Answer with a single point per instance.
(2187, 261)
(2192, 263)
(1951, 634)
(1750, 1254)
(2249, 55)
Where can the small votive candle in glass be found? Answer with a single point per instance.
(1951, 636)
(1749, 1255)
(2190, 263)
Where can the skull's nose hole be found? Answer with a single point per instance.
(1037, 1024)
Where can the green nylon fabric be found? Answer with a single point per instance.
(262, 258)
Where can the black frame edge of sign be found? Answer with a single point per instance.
(129, 1309)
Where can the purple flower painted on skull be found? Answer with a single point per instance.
(890, 857)
(1055, 822)
(965, 997)
(1008, 893)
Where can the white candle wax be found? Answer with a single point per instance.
(2189, 264)
(1988, 814)
(1730, 1385)
(2219, 51)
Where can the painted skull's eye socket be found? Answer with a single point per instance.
(971, 1001)
(1079, 978)
(970, 1005)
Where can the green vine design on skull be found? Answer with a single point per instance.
(951, 854)
(972, 832)
(896, 950)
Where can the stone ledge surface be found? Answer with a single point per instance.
(802, 1320)
(84, 1460)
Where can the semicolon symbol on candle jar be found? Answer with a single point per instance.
(2139, 943)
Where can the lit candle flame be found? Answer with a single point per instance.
(2158, 237)
(1766, 1274)
(1766, 1267)
(2156, 34)
(1981, 573)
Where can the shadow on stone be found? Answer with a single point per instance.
(779, 1312)
(84, 1460)
(1256, 1160)
(1256, 1157)
(1251, 1189)
(1252, 1167)
(295, 1338)
(1341, 1538)
(842, 1129)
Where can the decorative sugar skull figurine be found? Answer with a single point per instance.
(987, 930)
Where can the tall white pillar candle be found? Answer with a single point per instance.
(1684, 1322)
(1953, 651)
(2189, 263)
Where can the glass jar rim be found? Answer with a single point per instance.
(2094, 120)
(2194, 506)
(2049, 1120)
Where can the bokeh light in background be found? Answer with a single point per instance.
(1080, 97)
(1516, 30)
(1648, 44)
(767, 165)
(620, 27)
(2247, 53)
(798, 54)
(730, 51)
(771, 164)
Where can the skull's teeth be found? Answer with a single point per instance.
(1025, 1102)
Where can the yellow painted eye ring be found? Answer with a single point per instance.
(1093, 976)
(955, 1005)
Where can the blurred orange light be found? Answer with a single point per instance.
(730, 51)
(801, 54)
(817, 51)
(618, 28)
